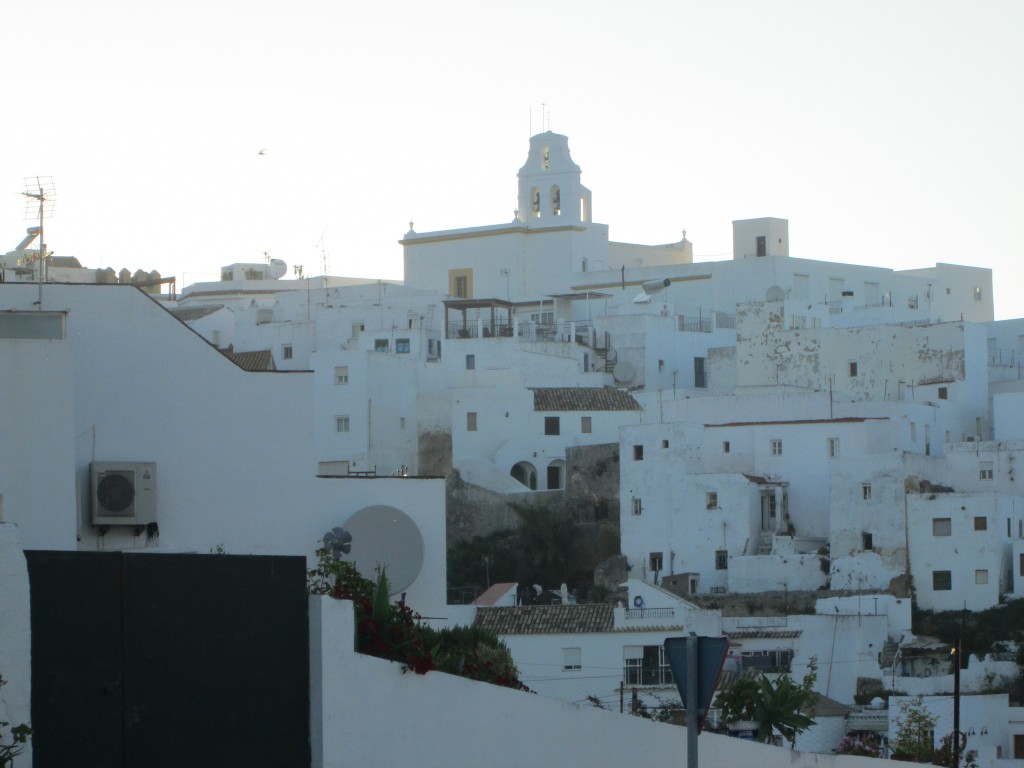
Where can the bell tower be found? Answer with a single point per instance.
(550, 192)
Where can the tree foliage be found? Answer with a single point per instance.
(781, 705)
(915, 726)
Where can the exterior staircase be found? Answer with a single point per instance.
(608, 356)
(764, 543)
(888, 654)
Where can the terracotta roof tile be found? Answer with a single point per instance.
(583, 399)
(547, 619)
(187, 314)
(260, 360)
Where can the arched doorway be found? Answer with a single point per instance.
(526, 474)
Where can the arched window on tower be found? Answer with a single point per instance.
(556, 201)
(545, 158)
(535, 202)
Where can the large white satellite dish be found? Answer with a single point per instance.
(384, 536)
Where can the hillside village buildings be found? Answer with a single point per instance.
(779, 424)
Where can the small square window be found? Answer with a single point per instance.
(942, 581)
(912, 302)
(725, 446)
(833, 447)
(853, 370)
(721, 560)
(985, 472)
(776, 447)
(470, 362)
(341, 374)
(865, 491)
(942, 526)
(980, 523)
(711, 500)
(585, 425)
(655, 561)
(943, 393)
(341, 423)
(552, 425)
(380, 345)
(638, 453)
(664, 443)
(638, 507)
(402, 346)
(286, 351)
(981, 576)
(471, 421)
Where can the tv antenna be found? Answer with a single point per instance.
(325, 260)
(40, 197)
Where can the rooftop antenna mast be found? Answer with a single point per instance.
(325, 259)
(40, 197)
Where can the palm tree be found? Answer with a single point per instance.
(778, 707)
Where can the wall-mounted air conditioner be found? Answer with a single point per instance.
(123, 492)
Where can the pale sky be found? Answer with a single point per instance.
(888, 133)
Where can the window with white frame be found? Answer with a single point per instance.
(341, 374)
(402, 346)
(286, 351)
(981, 576)
(341, 423)
(646, 665)
(572, 659)
(865, 491)
(776, 447)
(942, 526)
(655, 561)
(638, 506)
(986, 470)
(711, 500)
(721, 560)
(381, 345)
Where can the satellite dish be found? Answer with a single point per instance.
(339, 541)
(385, 537)
(278, 268)
(649, 289)
(624, 372)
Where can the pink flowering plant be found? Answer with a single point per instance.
(866, 746)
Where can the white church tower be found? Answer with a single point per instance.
(550, 192)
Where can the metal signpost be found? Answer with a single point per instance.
(696, 663)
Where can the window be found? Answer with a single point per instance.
(215, 338)
(942, 581)
(833, 447)
(777, 660)
(661, 366)
(552, 425)
(981, 576)
(380, 345)
(572, 659)
(341, 374)
(721, 560)
(977, 294)
(462, 286)
(638, 453)
(357, 328)
(402, 346)
(638, 507)
(655, 561)
(776, 447)
(711, 500)
(853, 370)
(646, 665)
(470, 362)
(664, 443)
(865, 491)
(286, 351)
(913, 432)
(912, 302)
(725, 446)
(942, 526)
(700, 378)
(981, 523)
(471, 421)
(585, 425)
(985, 473)
(341, 423)
(867, 541)
(762, 245)
(943, 393)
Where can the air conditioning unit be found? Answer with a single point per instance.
(123, 492)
